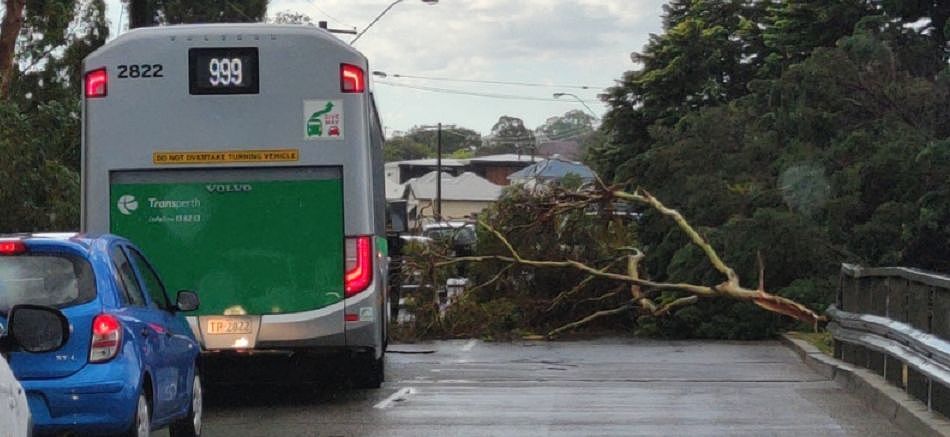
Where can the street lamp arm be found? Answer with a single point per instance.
(371, 23)
(559, 95)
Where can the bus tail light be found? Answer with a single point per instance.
(106, 338)
(352, 79)
(12, 247)
(359, 264)
(96, 83)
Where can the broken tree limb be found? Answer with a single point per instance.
(689, 288)
(643, 196)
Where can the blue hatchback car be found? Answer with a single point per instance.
(130, 363)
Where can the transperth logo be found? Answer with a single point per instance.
(127, 204)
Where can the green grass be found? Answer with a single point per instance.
(822, 340)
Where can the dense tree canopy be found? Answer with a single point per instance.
(509, 135)
(815, 132)
(421, 142)
(151, 12)
(39, 115)
(573, 124)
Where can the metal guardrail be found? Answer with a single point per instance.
(896, 321)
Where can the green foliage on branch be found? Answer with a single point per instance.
(507, 300)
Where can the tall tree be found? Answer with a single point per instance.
(796, 27)
(574, 124)
(9, 31)
(708, 53)
(39, 120)
(403, 148)
(509, 135)
(144, 13)
(813, 131)
(421, 142)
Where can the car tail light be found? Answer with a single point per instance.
(106, 338)
(12, 247)
(352, 79)
(96, 83)
(359, 264)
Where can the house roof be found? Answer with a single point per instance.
(395, 190)
(451, 162)
(467, 186)
(506, 157)
(554, 168)
(431, 162)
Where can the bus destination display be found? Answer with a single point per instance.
(223, 71)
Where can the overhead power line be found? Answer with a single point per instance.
(498, 82)
(477, 94)
(312, 3)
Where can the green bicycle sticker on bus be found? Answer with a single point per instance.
(323, 119)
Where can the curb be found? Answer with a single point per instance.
(908, 413)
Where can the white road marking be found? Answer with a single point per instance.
(468, 346)
(398, 396)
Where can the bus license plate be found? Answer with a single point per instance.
(229, 326)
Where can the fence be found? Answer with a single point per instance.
(896, 322)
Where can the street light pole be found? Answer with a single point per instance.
(371, 23)
(559, 95)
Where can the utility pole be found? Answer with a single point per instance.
(438, 175)
(437, 203)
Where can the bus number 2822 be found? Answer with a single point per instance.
(136, 71)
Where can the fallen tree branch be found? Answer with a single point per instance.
(577, 288)
(603, 313)
(493, 279)
(600, 298)
(731, 287)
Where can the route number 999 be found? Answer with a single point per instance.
(225, 71)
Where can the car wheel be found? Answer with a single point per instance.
(190, 425)
(142, 425)
(369, 371)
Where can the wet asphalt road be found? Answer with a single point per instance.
(600, 387)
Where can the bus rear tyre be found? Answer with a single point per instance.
(368, 371)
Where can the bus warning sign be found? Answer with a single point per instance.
(225, 156)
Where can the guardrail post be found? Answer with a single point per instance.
(940, 322)
(896, 322)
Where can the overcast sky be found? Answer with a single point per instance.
(553, 42)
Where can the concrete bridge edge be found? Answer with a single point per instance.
(907, 413)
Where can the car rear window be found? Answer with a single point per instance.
(56, 280)
(458, 235)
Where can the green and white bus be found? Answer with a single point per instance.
(246, 160)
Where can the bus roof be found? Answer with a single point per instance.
(207, 30)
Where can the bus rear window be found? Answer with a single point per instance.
(56, 280)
